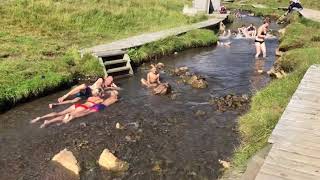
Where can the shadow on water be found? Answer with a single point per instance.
(163, 137)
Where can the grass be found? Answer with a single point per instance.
(301, 42)
(40, 38)
(195, 38)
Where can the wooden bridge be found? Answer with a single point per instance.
(295, 152)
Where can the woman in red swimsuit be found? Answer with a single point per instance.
(59, 116)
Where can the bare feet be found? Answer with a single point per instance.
(61, 99)
(35, 120)
(45, 123)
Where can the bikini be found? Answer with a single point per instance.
(95, 107)
(85, 106)
(261, 42)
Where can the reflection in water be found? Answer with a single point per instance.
(164, 138)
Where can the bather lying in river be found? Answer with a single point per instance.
(84, 91)
(94, 103)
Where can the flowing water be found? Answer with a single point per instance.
(164, 137)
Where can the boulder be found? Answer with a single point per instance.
(67, 160)
(225, 164)
(110, 162)
(181, 71)
(278, 52)
(197, 82)
(162, 89)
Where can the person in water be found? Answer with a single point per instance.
(76, 108)
(251, 30)
(113, 98)
(242, 30)
(84, 91)
(224, 44)
(260, 38)
(153, 78)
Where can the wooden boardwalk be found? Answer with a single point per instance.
(295, 153)
(311, 14)
(139, 40)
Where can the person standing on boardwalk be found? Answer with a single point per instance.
(260, 38)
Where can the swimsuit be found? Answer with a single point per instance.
(85, 94)
(85, 106)
(98, 107)
(258, 41)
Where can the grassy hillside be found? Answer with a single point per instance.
(40, 38)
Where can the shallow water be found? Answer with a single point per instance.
(165, 132)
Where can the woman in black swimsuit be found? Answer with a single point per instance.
(261, 35)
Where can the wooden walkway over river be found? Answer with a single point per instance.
(139, 40)
(295, 152)
(311, 14)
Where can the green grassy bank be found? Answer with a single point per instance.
(191, 39)
(301, 44)
(40, 38)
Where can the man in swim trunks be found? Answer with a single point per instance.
(84, 91)
(251, 30)
(59, 116)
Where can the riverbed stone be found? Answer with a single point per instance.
(181, 70)
(197, 82)
(225, 164)
(110, 162)
(67, 160)
(200, 113)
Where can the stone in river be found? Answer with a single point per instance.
(67, 160)
(110, 162)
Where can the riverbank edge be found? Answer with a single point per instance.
(266, 108)
(192, 39)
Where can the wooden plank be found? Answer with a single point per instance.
(287, 173)
(269, 176)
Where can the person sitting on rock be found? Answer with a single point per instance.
(84, 91)
(153, 78)
(94, 103)
(242, 31)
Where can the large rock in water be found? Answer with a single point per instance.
(110, 162)
(197, 82)
(67, 160)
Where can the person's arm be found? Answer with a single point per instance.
(98, 83)
(158, 79)
(260, 33)
(148, 78)
(110, 100)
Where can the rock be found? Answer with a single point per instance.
(225, 164)
(181, 70)
(119, 126)
(174, 96)
(200, 84)
(83, 125)
(200, 113)
(110, 162)
(130, 139)
(67, 160)
(162, 89)
(160, 66)
(260, 71)
(278, 52)
(156, 168)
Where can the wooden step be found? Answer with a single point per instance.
(109, 53)
(118, 61)
(114, 70)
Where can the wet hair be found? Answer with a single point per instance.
(267, 20)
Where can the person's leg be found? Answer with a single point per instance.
(73, 92)
(264, 49)
(54, 120)
(52, 105)
(144, 82)
(258, 49)
(54, 114)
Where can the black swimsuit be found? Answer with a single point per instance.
(261, 42)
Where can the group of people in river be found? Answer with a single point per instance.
(98, 96)
(251, 32)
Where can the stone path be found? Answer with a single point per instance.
(295, 152)
(151, 37)
(311, 14)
